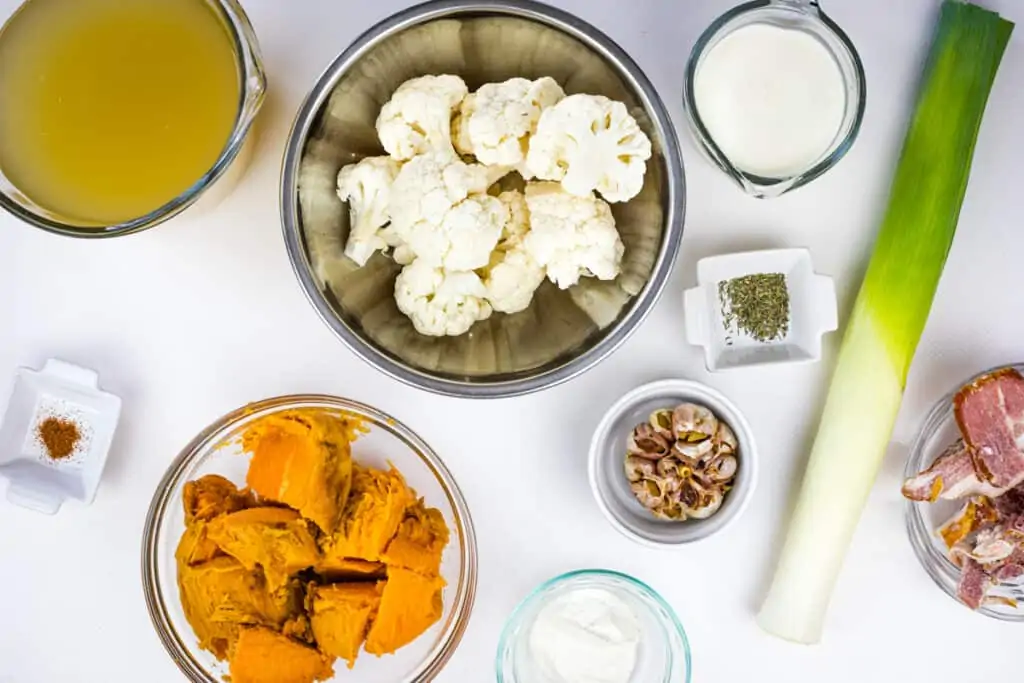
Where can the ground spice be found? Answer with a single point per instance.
(757, 305)
(59, 436)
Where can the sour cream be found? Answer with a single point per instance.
(772, 99)
(589, 635)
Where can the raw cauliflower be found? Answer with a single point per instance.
(518, 223)
(589, 142)
(439, 213)
(417, 118)
(439, 302)
(512, 276)
(570, 236)
(366, 186)
(495, 123)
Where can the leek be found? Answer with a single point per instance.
(888, 317)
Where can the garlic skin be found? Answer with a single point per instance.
(681, 463)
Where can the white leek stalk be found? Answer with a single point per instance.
(888, 317)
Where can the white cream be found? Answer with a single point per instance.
(772, 99)
(585, 636)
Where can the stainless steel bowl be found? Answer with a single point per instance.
(563, 333)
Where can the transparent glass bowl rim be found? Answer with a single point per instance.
(253, 82)
(214, 434)
(712, 32)
(937, 564)
(513, 618)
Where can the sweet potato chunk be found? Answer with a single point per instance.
(340, 614)
(411, 603)
(420, 541)
(220, 596)
(304, 460)
(276, 539)
(375, 508)
(213, 495)
(264, 656)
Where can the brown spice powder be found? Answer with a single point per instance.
(59, 436)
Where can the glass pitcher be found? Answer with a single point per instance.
(208, 187)
(802, 15)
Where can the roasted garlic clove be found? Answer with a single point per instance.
(645, 442)
(639, 468)
(725, 439)
(692, 423)
(671, 511)
(693, 450)
(648, 493)
(723, 468)
(709, 504)
(661, 420)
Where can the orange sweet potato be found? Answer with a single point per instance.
(265, 656)
(302, 459)
(340, 614)
(276, 539)
(420, 541)
(375, 508)
(411, 603)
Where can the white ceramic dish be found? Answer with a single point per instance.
(812, 302)
(60, 389)
(608, 451)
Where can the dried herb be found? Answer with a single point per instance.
(757, 305)
(59, 437)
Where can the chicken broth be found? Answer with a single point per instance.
(109, 109)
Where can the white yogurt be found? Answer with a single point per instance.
(771, 98)
(585, 636)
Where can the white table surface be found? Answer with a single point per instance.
(203, 314)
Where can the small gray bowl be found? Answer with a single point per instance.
(608, 450)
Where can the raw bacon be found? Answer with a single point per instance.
(990, 413)
(974, 584)
(951, 476)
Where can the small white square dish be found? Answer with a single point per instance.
(812, 310)
(71, 394)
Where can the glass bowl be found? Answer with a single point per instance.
(664, 652)
(217, 450)
(208, 190)
(564, 332)
(938, 430)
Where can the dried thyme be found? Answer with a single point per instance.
(757, 305)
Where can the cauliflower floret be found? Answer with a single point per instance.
(431, 184)
(439, 214)
(366, 186)
(511, 280)
(417, 118)
(440, 302)
(571, 236)
(495, 123)
(589, 142)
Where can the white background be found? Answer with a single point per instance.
(203, 314)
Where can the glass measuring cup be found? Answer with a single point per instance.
(801, 15)
(207, 187)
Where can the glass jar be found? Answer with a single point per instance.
(212, 186)
(800, 15)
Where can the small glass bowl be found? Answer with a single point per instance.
(664, 652)
(216, 450)
(802, 15)
(938, 430)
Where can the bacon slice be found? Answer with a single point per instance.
(974, 584)
(951, 476)
(990, 413)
